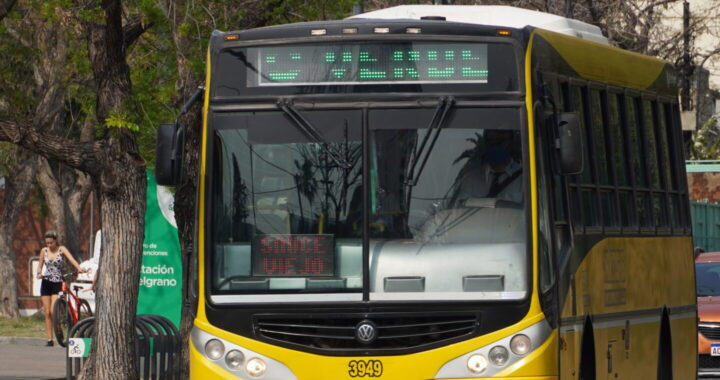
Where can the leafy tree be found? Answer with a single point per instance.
(706, 144)
(35, 94)
(114, 163)
(190, 24)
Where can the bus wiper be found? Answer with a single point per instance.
(437, 123)
(311, 132)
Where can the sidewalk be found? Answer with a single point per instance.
(30, 359)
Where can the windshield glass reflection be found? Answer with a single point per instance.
(457, 226)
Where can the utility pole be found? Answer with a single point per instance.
(568, 8)
(687, 68)
(689, 115)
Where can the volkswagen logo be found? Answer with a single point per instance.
(365, 332)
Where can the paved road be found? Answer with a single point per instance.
(29, 359)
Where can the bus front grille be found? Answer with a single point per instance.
(400, 332)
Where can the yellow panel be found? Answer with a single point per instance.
(629, 280)
(604, 63)
(634, 273)
(201, 197)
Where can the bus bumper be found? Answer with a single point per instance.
(508, 378)
(283, 364)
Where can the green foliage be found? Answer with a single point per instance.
(94, 15)
(152, 14)
(33, 327)
(152, 59)
(121, 120)
(16, 96)
(706, 142)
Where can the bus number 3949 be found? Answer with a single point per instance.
(365, 368)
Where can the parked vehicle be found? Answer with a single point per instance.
(707, 268)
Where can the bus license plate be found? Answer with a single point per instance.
(365, 368)
(715, 349)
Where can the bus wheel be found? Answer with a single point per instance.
(664, 368)
(587, 353)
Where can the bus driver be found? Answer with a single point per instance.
(493, 174)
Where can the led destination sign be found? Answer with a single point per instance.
(293, 255)
(370, 64)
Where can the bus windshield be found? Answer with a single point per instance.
(444, 202)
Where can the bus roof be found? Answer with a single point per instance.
(496, 15)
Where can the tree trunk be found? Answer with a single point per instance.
(123, 221)
(18, 184)
(121, 184)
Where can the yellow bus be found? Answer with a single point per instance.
(439, 192)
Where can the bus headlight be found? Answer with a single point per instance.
(477, 363)
(496, 357)
(234, 359)
(256, 367)
(499, 356)
(520, 344)
(214, 349)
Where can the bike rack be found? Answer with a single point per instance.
(157, 347)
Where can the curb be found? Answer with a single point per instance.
(23, 341)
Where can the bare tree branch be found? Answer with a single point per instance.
(656, 4)
(85, 157)
(708, 55)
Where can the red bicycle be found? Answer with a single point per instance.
(68, 310)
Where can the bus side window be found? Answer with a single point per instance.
(588, 179)
(657, 183)
(568, 105)
(637, 157)
(619, 161)
(583, 189)
(603, 159)
(665, 136)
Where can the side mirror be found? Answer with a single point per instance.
(570, 144)
(168, 154)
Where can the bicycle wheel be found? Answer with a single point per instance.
(61, 321)
(84, 310)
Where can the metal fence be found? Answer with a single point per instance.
(706, 225)
(158, 347)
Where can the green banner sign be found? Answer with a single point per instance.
(161, 272)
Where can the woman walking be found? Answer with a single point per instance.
(50, 271)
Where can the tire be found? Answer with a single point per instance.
(61, 321)
(84, 311)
